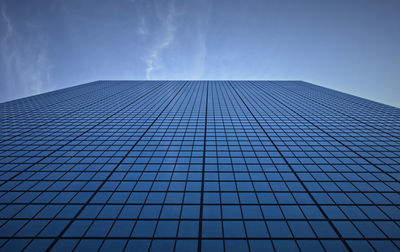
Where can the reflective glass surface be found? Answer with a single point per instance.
(199, 166)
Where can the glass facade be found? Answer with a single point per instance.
(199, 166)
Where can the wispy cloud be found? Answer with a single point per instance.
(177, 39)
(9, 27)
(142, 28)
(202, 25)
(153, 61)
(25, 65)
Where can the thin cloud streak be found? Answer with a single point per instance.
(202, 22)
(153, 61)
(8, 24)
(25, 64)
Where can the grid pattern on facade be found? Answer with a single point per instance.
(199, 166)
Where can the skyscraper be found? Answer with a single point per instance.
(199, 165)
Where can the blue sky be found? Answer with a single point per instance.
(351, 46)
